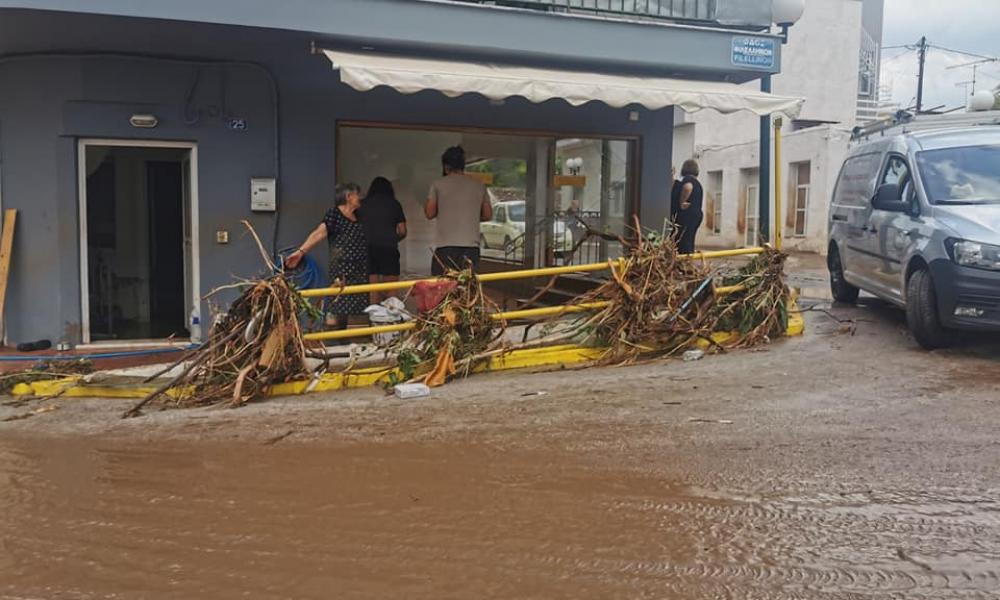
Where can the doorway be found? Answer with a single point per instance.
(136, 240)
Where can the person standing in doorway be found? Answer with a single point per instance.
(385, 226)
(690, 200)
(348, 254)
(459, 203)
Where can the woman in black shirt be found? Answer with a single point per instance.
(689, 215)
(385, 226)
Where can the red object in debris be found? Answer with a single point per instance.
(429, 294)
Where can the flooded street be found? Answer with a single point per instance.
(658, 481)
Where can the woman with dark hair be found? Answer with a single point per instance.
(690, 200)
(348, 254)
(385, 226)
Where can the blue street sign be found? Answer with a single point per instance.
(754, 52)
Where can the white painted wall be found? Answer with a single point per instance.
(824, 147)
(819, 63)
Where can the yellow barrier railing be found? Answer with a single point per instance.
(392, 286)
(530, 313)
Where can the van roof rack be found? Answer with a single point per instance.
(900, 117)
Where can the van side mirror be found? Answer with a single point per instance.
(889, 198)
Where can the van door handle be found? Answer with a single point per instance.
(839, 218)
(872, 229)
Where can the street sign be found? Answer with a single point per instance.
(754, 52)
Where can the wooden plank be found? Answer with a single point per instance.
(6, 247)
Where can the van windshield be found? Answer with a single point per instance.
(964, 175)
(516, 211)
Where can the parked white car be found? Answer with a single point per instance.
(506, 230)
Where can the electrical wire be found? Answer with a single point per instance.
(972, 54)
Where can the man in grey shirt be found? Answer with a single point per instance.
(459, 203)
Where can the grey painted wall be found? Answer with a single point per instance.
(48, 103)
(468, 28)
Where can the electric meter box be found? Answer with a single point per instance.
(262, 194)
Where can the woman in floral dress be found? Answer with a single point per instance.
(348, 263)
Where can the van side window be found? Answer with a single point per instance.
(857, 180)
(896, 172)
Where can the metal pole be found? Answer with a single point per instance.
(764, 170)
(920, 76)
(777, 184)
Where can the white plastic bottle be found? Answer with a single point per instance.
(195, 324)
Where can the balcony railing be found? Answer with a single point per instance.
(694, 10)
(743, 13)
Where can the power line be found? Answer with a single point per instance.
(962, 52)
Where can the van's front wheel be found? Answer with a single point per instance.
(842, 291)
(922, 312)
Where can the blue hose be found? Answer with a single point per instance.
(99, 356)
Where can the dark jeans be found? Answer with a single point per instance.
(454, 258)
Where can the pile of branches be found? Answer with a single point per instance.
(450, 339)
(758, 314)
(256, 345)
(659, 302)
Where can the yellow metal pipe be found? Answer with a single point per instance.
(531, 313)
(729, 289)
(502, 316)
(724, 253)
(340, 334)
(508, 275)
(777, 184)
(546, 272)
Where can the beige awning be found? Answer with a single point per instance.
(364, 72)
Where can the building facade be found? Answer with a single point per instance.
(833, 57)
(136, 137)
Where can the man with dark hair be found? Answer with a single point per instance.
(459, 203)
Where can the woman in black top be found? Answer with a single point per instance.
(348, 254)
(385, 226)
(690, 215)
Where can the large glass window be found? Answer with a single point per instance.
(548, 193)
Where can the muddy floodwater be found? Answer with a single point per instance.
(835, 466)
(84, 519)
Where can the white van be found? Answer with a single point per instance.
(915, 220)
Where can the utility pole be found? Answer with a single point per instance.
(922, 47)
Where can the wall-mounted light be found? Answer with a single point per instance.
(143, 121)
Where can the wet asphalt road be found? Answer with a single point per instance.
(845, 464)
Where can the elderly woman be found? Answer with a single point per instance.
(689, 206)
(348, 254)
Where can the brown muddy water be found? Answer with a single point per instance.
(85, 518)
